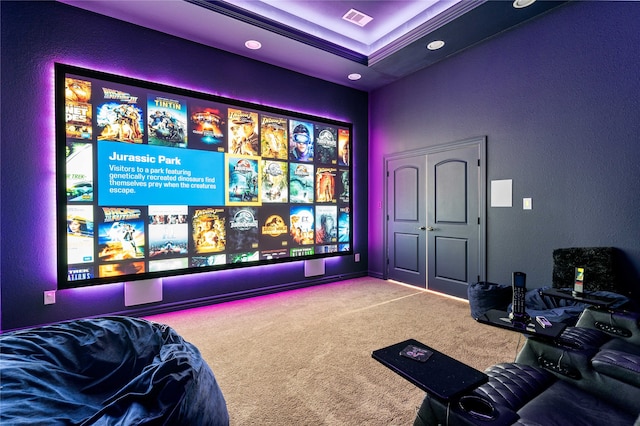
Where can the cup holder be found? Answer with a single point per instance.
(477, 407)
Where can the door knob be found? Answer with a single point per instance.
(429, 228)
(426, 228)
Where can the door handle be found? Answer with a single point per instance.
(426, 228)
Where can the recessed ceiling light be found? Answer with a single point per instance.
(252, 44)
(355, 76)
(435, 45)
(519, 4)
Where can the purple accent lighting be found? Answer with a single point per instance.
(47, 165)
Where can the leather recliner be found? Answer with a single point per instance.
(519, 394)
(599, 356)
(589, 375)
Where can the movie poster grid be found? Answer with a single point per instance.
(287, 183)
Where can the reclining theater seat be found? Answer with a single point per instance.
(111, 370)
(520, 394)
(590, 375)
(593, 359)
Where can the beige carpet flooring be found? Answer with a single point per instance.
(303, 357)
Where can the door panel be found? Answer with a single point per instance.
(453, 217)
(450, 192)
(406, 217)
(451, 254)
(406, 252)
(435, 214)
(406, 190)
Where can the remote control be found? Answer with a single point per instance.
(543, 321)
(519, 289)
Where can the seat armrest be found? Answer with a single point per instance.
(564, 361)
(624, 325)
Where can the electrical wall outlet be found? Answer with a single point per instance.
(49, 297)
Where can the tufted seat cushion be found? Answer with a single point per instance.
(583, 338)
(513, 385)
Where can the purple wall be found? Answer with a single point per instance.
(559, 101)
(37, 34)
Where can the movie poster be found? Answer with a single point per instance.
(119, 116)
(275, 181)
(326, 145)
(343, 147)
(243, 179)
(301, 179)
(273, 137)
(209, 229)
(242, 234)
(301, 220)
(274, 232)
(326, 224)
(343, 186)
(121, 234)
(249, 256)
(326, 185)
(300, 141)
(168, 231)
(208, 123)
(301, 251)
(344, 225)
(80, 272)
(243, 132)
(78, 110)
(121, 268)
(79, 166)
(80, 234)
(211, 260)
(328, 248)
(167, 121)
(168, 264)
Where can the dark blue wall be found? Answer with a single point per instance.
(37, 34)
(559, 101)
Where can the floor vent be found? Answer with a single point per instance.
(357, 17)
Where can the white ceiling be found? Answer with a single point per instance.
(310, 36)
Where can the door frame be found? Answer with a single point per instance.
(481, 143)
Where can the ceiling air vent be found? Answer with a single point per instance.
(357, 17)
